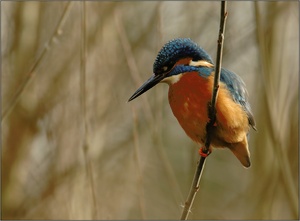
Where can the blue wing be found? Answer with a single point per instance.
(237, 88)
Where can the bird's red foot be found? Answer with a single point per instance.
(202, 154)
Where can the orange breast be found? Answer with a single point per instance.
(188, 99)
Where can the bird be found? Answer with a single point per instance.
(189, 71)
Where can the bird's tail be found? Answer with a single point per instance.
(241, 151)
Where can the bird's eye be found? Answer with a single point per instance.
(165, 68)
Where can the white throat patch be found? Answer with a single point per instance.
(172, 79)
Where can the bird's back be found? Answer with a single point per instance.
(238, 91)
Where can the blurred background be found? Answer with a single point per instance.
(73, 148)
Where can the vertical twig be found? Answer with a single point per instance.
(212, 105)
(134, 72)
(139, 166)
(211, 114)
(82, 86)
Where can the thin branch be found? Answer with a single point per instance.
(212, 105)
(131, 62)
(85, 146)
(211, 114)
(140, 177)
(31, 74)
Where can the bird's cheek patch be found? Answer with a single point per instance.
(172, 79)
(200, 63)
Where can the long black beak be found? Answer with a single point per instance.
(151, 82)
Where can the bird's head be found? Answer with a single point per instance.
(176, 57)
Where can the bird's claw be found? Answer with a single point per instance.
(202, 154)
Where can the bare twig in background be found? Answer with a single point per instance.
(134, 72)
(141, 194)
(85, 144)
(212, 116)
(269, 75)
(31, 74)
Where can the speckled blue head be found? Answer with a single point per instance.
(177, 49)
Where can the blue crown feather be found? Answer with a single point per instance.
(177, 49)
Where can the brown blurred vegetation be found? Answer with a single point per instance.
(72, 148)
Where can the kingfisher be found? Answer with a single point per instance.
(189, 71)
